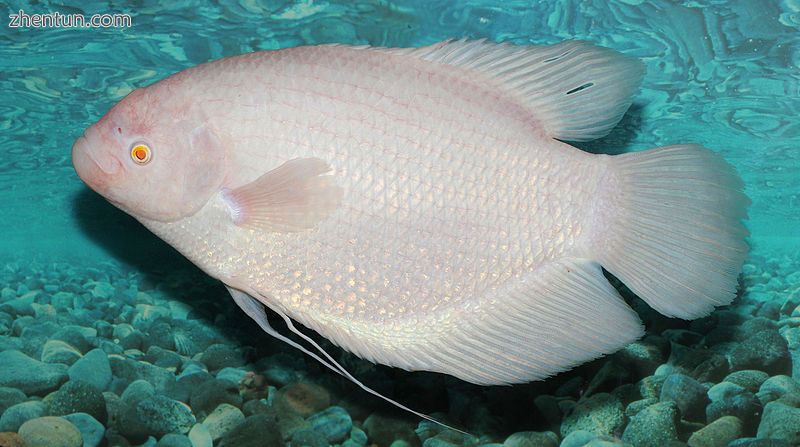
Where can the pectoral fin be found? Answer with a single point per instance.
(295, 196)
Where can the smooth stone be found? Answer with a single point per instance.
(91, 430)
(755, 442)
(765, 351)
(601, 413)
(728, 399)
(750, 379)
(219, 356)
(776, 387)
(28, 375)
(156, 416)
(307, 437)
(137, 391)
(583, 438)
(76, 336)
(77, 397)
(333, 423)
(92, 368)
(639, 405)
(174, 440)
(532, 439)
(57, 351)
(131, 370)
(654, 426)
(16, 415)
(200, 437)
(383, 430)
(302, 398)
(688, 394)
(8, 439)
(357, 437)
(50, 431)
(780, 421)
(212, 393)
(222, 420)
(10, 397)
(258, 430)
(719, 433)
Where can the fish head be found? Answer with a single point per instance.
(152, 157)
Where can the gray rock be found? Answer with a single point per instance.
(76, 336)
(306, 437)
(334, 424)
(728, 399)
(780, 421)
(776, 387)
(766, 351)
(200, 436)
(18, 414)
(57, 351)
(750, 379)
(639, 405)
(211, 393)
(10, 397)
(258, 430)
(174, 440)
(655, 426)
(77, 397)
(131, 370)
(383, 430)
(601, 414)
(30, 376)
(583, 438)
(718, 433)
(642, 356)
(136, 391)
(91, 430)
(220, 356)
(155, 416)
(532, 439)
(688, 394)
(222, 420)
(92, 368)
(50, 432)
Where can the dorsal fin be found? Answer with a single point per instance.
(577, 91)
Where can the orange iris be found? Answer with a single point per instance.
(140, 154)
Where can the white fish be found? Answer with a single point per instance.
(416, 207)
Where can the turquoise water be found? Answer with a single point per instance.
(724, 74)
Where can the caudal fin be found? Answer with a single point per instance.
(674, 231)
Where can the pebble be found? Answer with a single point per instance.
(780, 421)
(10, 397)
(174, 440)
(92, 368)
(155, 415)
(222, 420)
(776, 387)
(28, 375)
(91, 430)
(258, 430)
(200, 437)
(654, 426)
(688, 394)
(18, 414)
(307, 437)
(77, 397)
(218, 356)
(766, 351)
(8, 439)
(50, 431)
(212, 393)
(729, 399)
(718, 433)
(532, 439)
(383, 430)
(57, 351)
(302, 398)
(601, 413)
(750, 379)
(334, 424)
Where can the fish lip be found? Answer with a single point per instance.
(92, 171)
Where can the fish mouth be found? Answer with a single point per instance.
(95, 171)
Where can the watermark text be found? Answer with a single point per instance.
(21, 19)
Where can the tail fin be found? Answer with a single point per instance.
(674, 233)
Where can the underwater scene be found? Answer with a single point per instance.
(110, 337)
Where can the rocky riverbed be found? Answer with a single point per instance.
(107, 356)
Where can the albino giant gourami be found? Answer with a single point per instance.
(416, 207)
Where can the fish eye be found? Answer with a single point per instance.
(141, 154)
